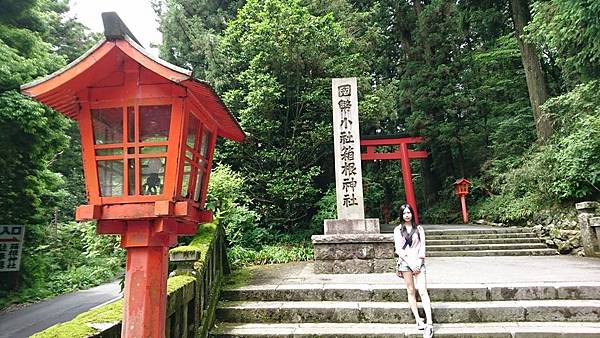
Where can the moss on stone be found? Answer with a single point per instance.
(185, 249)
(238, 278)
(70, 329)
(112, 312)
(79, 328)
(204, 238)
(177, 282)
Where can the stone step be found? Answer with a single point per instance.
(352, 330)
(521, 252)
(397, 293)
(473, 247)
(483, 236)
(465, 241)
(399, 312)
(477, 231)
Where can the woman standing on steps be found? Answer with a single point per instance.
(409, 241)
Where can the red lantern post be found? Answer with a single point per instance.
(461, 187)
(148, 132)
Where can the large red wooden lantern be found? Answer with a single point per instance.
(461, 188)
(148, 131)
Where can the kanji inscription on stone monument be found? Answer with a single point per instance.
(348, 172)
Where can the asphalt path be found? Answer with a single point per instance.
(33, 318)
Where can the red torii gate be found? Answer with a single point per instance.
(403, 154)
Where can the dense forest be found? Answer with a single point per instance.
(504, 92)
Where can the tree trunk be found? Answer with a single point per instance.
(536, 82)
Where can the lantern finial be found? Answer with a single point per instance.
(115, 28)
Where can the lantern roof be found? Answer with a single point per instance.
(462, 181)
(59, 89)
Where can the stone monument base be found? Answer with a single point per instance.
(353, 246)
(351, 226)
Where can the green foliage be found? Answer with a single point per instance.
(507, 209)
(227, 199)
(225, 190)
(42, 180)
(191, 30)
(50, 269)
(279, 84)
(270, 254)
(30, 136)
(326, 208)
(570, 30)
(566, 169)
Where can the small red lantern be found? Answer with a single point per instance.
(148, 132)
(461, 187)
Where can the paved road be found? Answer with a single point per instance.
(28, 320)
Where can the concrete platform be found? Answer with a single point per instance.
(448, 270)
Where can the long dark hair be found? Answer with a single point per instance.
(403, 230)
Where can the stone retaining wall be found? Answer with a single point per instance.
(354, 253)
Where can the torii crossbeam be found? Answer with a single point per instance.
(403, 154)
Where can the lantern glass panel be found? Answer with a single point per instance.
(110, 176)
(153, 150)
(198, 190)
(130, 124)
(185, 184)
(193, 128)
(205, 139)
(108, 125)
(109, 152)
(131, 176)
(154, 123)
(152, 175)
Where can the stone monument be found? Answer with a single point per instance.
(351, 243)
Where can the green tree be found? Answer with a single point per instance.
(37, 185)
(190, 31)
(570, 32)
(534, 73)
(279, 61)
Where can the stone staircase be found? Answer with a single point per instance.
(485, 242)
(369, 310)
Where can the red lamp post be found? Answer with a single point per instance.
(461, 188)
(148, 132)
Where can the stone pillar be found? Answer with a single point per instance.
(588, 224)
(184, 258)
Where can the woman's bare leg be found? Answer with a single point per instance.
(411, 294)
(421, 285)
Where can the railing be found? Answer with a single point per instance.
(193, 292)
(204, 262)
